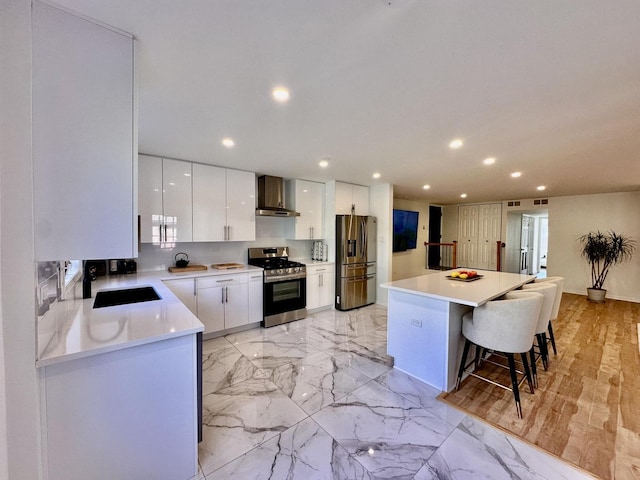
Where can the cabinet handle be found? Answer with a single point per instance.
(222, 295)
(165, 232)
(321, 270)
(257, 276)
(195, 292)
(228, 232)
(226, 296)
(321, 280)
(224, 281)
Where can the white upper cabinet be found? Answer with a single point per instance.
(306, 198)
(195, 202)
(150, 198)
(176, 201)
(224, 206)
(209, 200)
(241, 205)
(348, 195)
(84, 146)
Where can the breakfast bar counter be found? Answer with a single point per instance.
(424, 332)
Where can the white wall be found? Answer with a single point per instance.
(381, 207)
(412, 262)
(573, 216)
(19, 427)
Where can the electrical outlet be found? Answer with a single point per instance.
(416, 322)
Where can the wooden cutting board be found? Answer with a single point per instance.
(226, 266)
(188, 268)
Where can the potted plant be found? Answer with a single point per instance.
(602, 251)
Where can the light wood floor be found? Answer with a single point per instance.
(586, 409)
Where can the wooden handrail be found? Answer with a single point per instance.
(454, 251)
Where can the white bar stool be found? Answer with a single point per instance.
(505, 326)
(548, 291)
(559, 281)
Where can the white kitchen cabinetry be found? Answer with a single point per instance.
(223, 302)
(320, 285)
(241, 206)
(84, 145)
(164, 200)
(479, 229)
(129, 413)
(209, 201)
(256, 292)
(185, 290)
(306, 198)
(348, 195)
(177, 206)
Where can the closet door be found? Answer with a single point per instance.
(489, 225)
(468, 236)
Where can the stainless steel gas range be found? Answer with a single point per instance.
(285, 285)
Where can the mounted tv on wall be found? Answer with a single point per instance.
(405, 230)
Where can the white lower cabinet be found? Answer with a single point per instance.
(223, 302)
(320, 285)
(185, 290)
(256, 291)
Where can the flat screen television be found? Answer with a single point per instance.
(405, 230)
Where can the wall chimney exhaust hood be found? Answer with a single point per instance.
(271, 198)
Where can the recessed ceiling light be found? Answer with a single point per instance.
(228, 142)
(464, 195)
(426, 187)
(541, 187)
(280, 94)
(456, 143)
(489, 161)
(187, 174)
(376, 175)
(323, 163)
(516, 174)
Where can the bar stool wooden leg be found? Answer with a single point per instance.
(463, 361)
(527, 372)
(553, 339)
(534, 369)
(514, 383)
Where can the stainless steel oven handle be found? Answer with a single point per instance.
(282, 278)
(360, 279)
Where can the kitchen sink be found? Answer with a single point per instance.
(110, 298)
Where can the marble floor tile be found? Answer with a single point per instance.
(304, 451)
(389, 435)
(476, 450)
(421, 394)
(317, 381)
(240, 417)
(223, 365)
(276, 351)
(373, 362)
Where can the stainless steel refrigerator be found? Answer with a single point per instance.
(355, 261)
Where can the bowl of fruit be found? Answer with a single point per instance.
(464, 275)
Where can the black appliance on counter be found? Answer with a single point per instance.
(284, 285)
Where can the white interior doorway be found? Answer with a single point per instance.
(526, 245)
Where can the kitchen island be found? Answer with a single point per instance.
(424, 331)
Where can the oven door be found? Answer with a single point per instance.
(281, 297)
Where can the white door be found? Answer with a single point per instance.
(344, 198)
(150, 198)
(177, 201)
(236, 307)
(241, 205)
(309, 203)
(211, 308)
(360, 197)
(313, 291)
(256, 291)
(467, 236)
(209, 200)
(489, 225)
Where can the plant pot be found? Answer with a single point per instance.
(596, 294)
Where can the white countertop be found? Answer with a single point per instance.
(492, 285)
(82, 331)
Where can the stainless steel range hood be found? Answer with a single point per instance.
(271, 201)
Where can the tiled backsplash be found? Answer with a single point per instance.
(270, 231)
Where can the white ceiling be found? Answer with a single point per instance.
(550, 88)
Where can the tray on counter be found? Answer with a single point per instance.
(226, 266)
(458, 279)
(189, 268)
